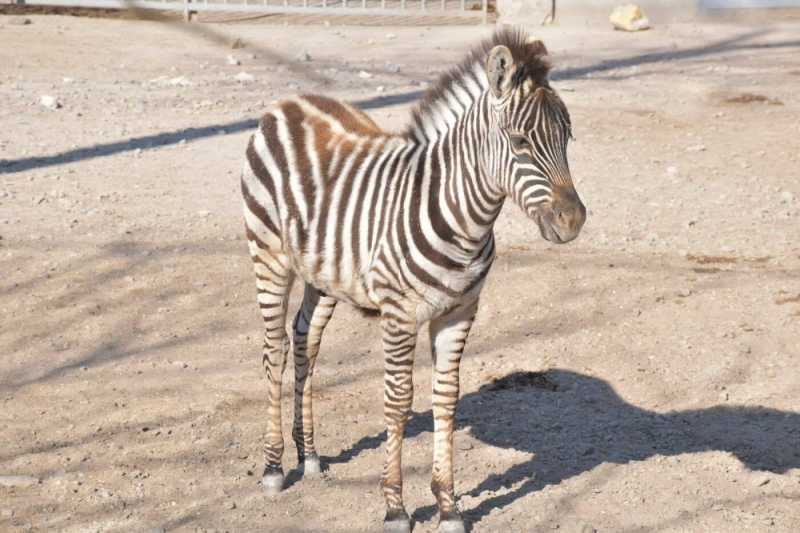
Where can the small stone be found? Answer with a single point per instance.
(761, 480)
(697, 148)
(380, 88)
(204, 213)
(585, 449)
(157, 529)
(127, 513)
(303, 56)
(629, 17)
(464, 444)
(684, 293)
(50, 102)
(723, 396)
(19, 481)
(787, 197)
(232, 60)
(222, 493)
(392, 69)
(364, 74)
(672, 170)
(223, 303)
(391, 36)
(588, 528)
(244, 77)
(236, 42)
(7, 512)
(230, 505)
(19, 21)
(180, 364)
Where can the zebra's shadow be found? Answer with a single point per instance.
(571, 423)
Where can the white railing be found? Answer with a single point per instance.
(465, 8)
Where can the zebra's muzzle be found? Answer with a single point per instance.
(561, 221)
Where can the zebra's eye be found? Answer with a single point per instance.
(520, 143)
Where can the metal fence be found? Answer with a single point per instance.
(465, 8)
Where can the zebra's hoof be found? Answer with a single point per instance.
(272, 484)
(311, 467)
(451, 526)
(398, 526)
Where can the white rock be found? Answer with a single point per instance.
(380, 88)
(180, 80)
(232, 60)
(204, 212)
(672, 170)
(629, 17)
(787, 197)
(391, 36)
(697, 148)
(303, 56)
(364, 74)
(50, 102)
(19, 481)
(392, 69)
(244, 77)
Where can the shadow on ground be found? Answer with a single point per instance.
(571, 423)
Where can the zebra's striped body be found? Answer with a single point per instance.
(400, 224)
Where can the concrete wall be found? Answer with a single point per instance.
(596, 12)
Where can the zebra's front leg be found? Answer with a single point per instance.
(399, 340)
(309, 324)
(448, 335)
(274, 282)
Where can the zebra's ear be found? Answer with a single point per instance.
(500, 69)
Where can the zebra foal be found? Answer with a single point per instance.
(401, 224)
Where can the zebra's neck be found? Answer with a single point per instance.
(458, 202)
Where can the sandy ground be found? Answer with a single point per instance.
(642, 378)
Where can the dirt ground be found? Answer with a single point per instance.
(642, 378)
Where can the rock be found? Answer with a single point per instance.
(685, 293)
(364, 75)
(244, 77)
(585, 449)
(157, 529)
(50, 102)
(629, 17)
(588, 528)
(7, 512)
(303, 56)
(19, 21)
(464, 444)
(232, 60)
(672, 170)
(19, 481)
(697, 148)
(204, 213)
(180, 364)
(230, 505)
(380, 88)
(787, 197)
(236, 42)
(392, 69)
(391, 36)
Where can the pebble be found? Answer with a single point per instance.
(19, 481)
(303, 56)
(787, 197)
(364, 74)
(204, 213)
(464, 444)
(585, 449)
(244, 77)
(684, 293)
(380, 88)
(230, 505)
(391, 36)
(392, 69)
(19, 21)
(7, 512)
(50, 102)
(180, 364)
(157, 529)
(697, 148)
(588, 528)
(232, 60)
(672, 170)
(236, 42)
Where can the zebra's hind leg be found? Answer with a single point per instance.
(309, 324)
(448, 336)
(274, 278)
(399, 336)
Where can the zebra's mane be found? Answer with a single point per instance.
(531, 60)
